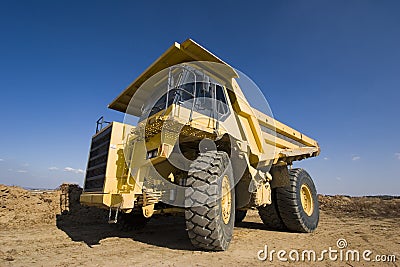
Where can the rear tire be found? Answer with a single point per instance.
(298, 203)
(210, 213)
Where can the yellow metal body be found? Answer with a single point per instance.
(114, 190)
(251, 120)
(126, 163)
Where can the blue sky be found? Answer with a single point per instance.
(330, 69)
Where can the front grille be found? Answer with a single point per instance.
(97, 164)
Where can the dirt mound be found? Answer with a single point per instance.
(21, 207)
(371, 206)
(73, 212)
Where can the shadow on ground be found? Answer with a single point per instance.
(166, 232)
(169, 231)
(89, 225)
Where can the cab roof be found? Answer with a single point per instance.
(187, 51)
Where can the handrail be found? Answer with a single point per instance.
(99, 124)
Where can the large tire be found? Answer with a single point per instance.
(298, 203)
(269, 214)
(239, 216)
(209, 215)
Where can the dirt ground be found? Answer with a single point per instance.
(33, 232)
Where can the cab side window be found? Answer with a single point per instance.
(222, 106)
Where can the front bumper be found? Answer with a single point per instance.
(101, 200)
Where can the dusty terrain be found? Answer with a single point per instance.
(34, 232)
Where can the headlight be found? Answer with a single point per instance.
(152, 153)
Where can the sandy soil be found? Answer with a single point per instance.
(33, 232)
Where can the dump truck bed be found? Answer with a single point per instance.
(287, 143)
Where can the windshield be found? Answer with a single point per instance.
(184, 94)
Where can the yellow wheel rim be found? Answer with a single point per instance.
(306, 199)
(226, 200)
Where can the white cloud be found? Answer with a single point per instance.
(69, 169)
(53, 168)
(22, 171)
(1, 159)
(338, 178)
(25, 165)
(354, 158)
(326, 158)
(397, 155)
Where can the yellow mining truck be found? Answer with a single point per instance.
(200, 149)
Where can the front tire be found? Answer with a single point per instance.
(210, 201)
(239, 216)
(269, 214)
(131, 221)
